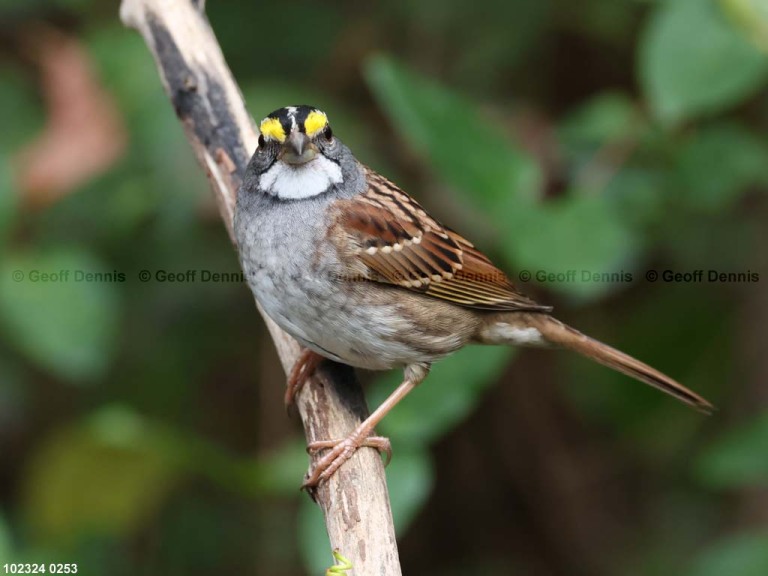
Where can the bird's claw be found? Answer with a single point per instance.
(340, 452)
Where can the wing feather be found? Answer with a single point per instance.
(390, 238)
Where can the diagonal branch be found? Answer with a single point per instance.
(211, 109)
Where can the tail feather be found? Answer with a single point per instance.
(563, 335)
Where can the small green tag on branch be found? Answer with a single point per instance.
(341, 568)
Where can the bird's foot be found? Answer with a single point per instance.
(340, 452)
(302, 370)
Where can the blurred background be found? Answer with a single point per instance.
(142, 428)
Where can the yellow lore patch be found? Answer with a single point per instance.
(315, 122)
(271, 128)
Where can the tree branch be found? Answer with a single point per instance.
(210, 106)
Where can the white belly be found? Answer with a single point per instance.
(330, 325)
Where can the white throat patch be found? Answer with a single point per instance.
(303, 181)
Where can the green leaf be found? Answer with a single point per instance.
(445, 398)
(107, 476)
(693, 62)
(737, 458)
(752, 17)
(740, 555)
(464, 149)
(605, 118)
(58, 316)
(718, 163)
(582, 235)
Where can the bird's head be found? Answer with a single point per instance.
(298, 156)
(300, 132)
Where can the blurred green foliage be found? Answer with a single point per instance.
(736, 459)
(688, 44)
(137, 428)
(740, 554)
(66, 327)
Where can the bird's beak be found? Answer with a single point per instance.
(298, 149)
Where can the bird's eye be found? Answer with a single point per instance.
(328, 133)
(261, 141)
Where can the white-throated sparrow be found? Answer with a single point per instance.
(357, 271)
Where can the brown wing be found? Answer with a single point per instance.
(384, 235)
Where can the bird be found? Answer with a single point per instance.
(355, 270)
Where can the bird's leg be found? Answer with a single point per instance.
(302, 370)
(342, 450)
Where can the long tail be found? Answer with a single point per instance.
(563, 335)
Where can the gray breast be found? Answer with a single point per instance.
(277, 242)
(293, 271)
